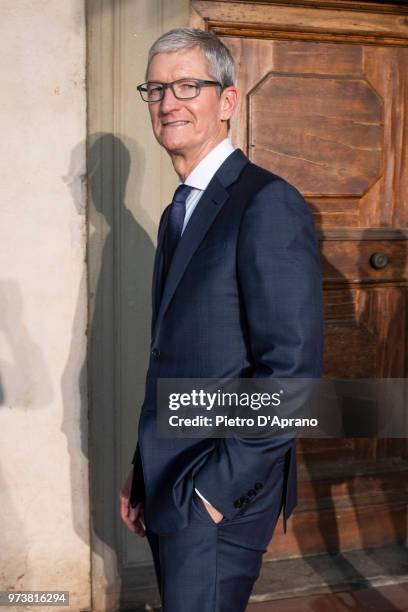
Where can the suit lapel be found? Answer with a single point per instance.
(208, 207)
(158, 270)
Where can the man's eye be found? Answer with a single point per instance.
(187, 85)
(154, 88)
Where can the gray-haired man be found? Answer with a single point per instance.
(236, 294)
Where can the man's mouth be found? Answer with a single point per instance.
(174, 123)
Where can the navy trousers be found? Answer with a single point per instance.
(209, 567)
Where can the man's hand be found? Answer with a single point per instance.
(215, 515)
(132, 517)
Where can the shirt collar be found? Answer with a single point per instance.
(208, 166)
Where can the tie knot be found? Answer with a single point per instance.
(181, 194)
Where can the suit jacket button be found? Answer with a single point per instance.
(258, 486)
(237, 503)
(251, 493)
(243, 499)
(156, 353)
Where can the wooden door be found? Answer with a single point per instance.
(323, 103)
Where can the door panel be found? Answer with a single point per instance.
(329, 118)
(323, 89)
(311, 113)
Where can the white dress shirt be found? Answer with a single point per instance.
(199, 179)
(203, 173)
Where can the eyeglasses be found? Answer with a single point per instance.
(183, 89)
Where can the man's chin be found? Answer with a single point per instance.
(174, 147)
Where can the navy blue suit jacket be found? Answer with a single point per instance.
(242, 298)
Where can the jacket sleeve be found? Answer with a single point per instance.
(138, 491)
(279, 274)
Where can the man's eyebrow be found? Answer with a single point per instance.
(193, 78)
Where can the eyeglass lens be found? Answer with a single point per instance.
(182, 89)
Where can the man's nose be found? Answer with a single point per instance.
(169, 101)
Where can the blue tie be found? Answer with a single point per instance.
(175, 222)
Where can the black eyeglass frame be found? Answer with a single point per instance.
(199, 82)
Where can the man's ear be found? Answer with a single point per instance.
(229, 100)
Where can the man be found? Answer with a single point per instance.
(236, 294)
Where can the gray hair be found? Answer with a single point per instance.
(220, 62)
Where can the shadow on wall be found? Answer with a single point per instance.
(25, 381)
(25, 384)
(120, 262)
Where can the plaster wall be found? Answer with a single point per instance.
(44, 499)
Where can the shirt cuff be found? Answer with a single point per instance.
(202, 496)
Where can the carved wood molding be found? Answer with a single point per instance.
(334, 283)
(397, 7)
(267, 32)
(296, 21)
(347, 233)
